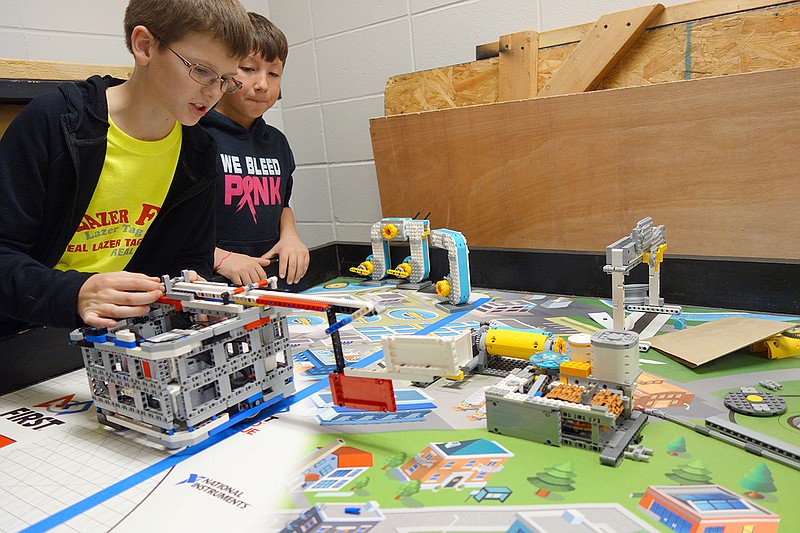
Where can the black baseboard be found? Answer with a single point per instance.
(704, 282)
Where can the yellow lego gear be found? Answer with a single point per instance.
(443, 288)
(389, 231)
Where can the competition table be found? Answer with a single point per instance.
(303, 461)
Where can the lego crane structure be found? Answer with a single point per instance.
(209, 355)
(645, 244)
(414, 269)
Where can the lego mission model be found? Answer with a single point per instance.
(205, 357)
(414, 269)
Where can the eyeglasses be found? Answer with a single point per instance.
(206, 76)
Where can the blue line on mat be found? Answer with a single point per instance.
(131, 481)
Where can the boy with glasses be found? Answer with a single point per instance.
(255, 224)
(106, 185)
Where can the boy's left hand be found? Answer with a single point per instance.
(293, 258)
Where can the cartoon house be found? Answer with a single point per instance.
(334, 470)
(354, 518)
(706, 508)
(654, 392)
(578, 518)
(469, 463)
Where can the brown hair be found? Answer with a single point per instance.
(268, 40)
(171, 20)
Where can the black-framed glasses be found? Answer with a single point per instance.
(205, 75)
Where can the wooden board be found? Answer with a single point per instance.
(600, 50)
(519, 59)
(713, 159)
(27, 69)
(745, 41)
(706, 342)
(687, 12)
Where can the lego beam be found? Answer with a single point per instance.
(571, 171)
(599, 51)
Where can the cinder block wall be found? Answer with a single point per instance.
(341, 54)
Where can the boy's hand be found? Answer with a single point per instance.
(242, 269)
(293, 258)
(104, 297)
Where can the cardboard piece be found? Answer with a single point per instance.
(698, 345)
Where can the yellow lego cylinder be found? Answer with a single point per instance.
(389, 231)
(443, 288)
(519, 344)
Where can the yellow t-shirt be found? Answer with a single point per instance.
(133, 184)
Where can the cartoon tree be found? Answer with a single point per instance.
(409, 489)
(395, 460)
(694, 473)
(677, 446)
(758, 480)
(360, 483)
(554, 479)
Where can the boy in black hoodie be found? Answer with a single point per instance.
(107, 184)
(255, 224)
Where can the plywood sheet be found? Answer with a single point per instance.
(747, 41)
(713, 159)
(443, 88)
(701, 344)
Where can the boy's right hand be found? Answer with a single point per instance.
(104, 297)
(242, 269)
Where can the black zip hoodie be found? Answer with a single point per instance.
(51, 157)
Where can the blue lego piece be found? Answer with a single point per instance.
(124, 344)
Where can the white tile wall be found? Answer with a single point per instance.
(10, 14)
(355, 194)
(346, 138)
(359, 63)
(311, 195)
(353, 232)
(559, 14)
(303, 128)
(78, 48)
(315, 234)
(341, 54)
(448, 36)
(106, 17)
(299, 82)
(294, 19)
(347, 15)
